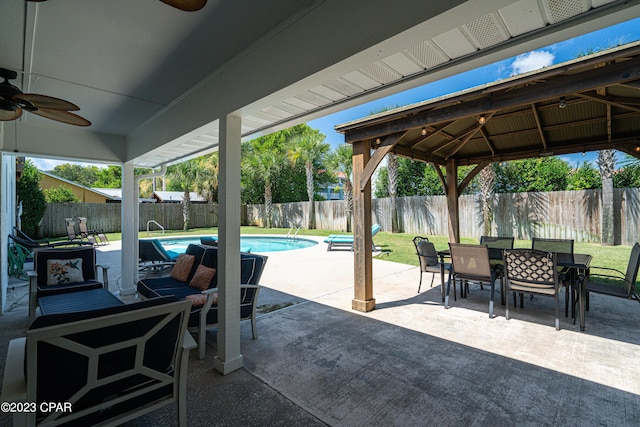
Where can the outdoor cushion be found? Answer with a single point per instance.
(182, 268)
(203, 277)
(198, 300)
(64, 271)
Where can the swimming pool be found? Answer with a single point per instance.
(254, 244)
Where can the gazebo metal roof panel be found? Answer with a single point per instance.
(523, 114)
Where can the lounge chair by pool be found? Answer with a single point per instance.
(345, 241)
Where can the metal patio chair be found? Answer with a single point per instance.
(532, 271)
(565, 275)
(616, 284)
(429, 260)
(470, 263)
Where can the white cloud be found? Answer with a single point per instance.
(532, 61)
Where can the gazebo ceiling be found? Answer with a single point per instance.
(587, 104)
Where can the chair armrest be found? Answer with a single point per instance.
(33, 291)
(105, 275)
(208, 303)
(187, 344)
(14, 385)
(605, 269)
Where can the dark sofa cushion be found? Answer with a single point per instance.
(149, 287)
(63, 289)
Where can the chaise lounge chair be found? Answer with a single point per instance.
(154, 259)
(345, 241)
(92, 234)
(70, 224)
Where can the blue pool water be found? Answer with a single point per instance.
(254, 244)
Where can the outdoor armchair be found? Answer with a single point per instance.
(616, 283)
(429, 260)
(110, 365)
(534, 272)
(63, 270)
(470, 263)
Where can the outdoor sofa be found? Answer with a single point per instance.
(186, 282)
(100, 367)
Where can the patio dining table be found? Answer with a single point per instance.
(578, 262)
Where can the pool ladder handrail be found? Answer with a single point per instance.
(156, 223)
(297, 225)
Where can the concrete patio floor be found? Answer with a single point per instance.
(409, 362)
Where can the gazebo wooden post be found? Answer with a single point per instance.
(362, 257)
(452, 200)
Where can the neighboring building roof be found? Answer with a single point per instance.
(176, 197)
(81, 190)
(116, 194)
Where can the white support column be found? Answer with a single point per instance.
(229, 358)
(7, 218)
(130, 220)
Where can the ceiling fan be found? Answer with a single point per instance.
(13, 102)
(186, 5)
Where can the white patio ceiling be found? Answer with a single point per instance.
(154, 80)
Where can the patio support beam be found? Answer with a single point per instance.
(384, 148)
(129, 221)
(229, 358)
(362, 241)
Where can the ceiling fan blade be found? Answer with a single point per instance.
(6, 115)
(186, 5)
(62, 116)
(44, 101)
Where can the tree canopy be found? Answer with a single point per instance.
(31, 197)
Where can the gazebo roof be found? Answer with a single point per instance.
(590, 103)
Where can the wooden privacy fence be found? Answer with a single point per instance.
(107, 216)
(559, 214)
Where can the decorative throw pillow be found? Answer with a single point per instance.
(64, 271)
(198, 300)
(182, 268)
(202, 278)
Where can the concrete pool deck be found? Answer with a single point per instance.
(409, 362)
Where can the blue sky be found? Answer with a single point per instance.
(560, 52)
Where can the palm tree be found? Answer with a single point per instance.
(184, 176)
(263, 156)
(309, 147)
(607, 163)
(487, 178)
(207, 184)
(392, 173)
(341, 161)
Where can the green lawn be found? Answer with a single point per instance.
(399, 246)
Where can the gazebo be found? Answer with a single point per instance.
(590, 103)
